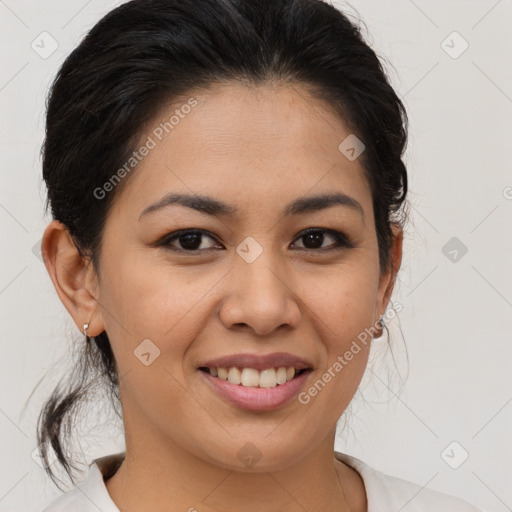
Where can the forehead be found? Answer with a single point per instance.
(242, 143)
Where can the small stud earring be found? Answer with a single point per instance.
(86, 326)
(382, 324)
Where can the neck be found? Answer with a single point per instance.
(172, 479)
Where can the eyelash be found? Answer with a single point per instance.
(342, 242)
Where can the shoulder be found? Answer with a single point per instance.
(385, 492)
(91, 494)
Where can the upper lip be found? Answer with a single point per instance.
(258, 361)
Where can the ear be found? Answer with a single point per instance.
(73, 277)
(387, 280)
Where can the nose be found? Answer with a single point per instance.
(260, 298)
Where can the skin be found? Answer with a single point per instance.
(257, 149)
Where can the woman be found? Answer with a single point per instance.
(226, 183)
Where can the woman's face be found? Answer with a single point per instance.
(252, 284)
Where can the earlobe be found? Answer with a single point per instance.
(73, 277)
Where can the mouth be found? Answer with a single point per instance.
(255, 390)
(256, 382)
(254, 378)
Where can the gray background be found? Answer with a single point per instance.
(457, 307)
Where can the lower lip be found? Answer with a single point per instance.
(257, 399)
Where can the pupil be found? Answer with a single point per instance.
(316, 238)
(189, 241)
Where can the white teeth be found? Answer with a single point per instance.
(222, 373)
(234, 375)
(268, 378)
(250, 377)
(281, 375)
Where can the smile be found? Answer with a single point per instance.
(251, 377)
(255, 397)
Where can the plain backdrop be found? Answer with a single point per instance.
(449, 428)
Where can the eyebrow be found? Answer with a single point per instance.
(210, 206)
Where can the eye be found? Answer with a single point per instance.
(314, 239)
(191, 240)
(188, 239)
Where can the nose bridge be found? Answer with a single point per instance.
(258, 267)
(261, 298)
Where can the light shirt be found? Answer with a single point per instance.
(384, 493)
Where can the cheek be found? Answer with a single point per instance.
(160, 304)
(344, 298)
(344, 304)
(153, 301)
(342, 313)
